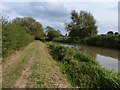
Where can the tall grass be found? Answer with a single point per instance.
(82, 70)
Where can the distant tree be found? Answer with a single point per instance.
(83, 25)
(48, 28)
(32, 26)
(3, 21)
(52, 33)
(60, 33)
(116, 33)
(65, 34)
(110, 32)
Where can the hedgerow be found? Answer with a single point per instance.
(14, 37)
(106, 41)
(109, 41)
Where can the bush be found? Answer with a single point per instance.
(32, 26)
(63, 40)
(82, 70)
(109, 41)
(53, 34)
(14, 36)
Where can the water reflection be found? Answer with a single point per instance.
(108, 58)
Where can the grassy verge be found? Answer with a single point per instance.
(12, 72)
(82, 70)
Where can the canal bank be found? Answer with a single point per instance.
(108, 58)
(81, 69)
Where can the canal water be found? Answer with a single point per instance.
(108, 58)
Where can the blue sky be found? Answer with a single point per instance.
(55, 14)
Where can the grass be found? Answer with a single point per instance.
(34, 68)
(38, 79)
(82, 70)
(14, 71)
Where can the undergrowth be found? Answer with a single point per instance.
(82, 70)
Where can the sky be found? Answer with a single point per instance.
(56, 14)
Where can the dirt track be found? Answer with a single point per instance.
(33, 67)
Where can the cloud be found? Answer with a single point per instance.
(105, 13)
(119, 17)
(57, 13)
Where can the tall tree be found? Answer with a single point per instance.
(32, 26)
(82, 25)
(110, 32)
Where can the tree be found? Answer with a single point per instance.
(3, 21)
(32, 26)
(110, 32)
(116, 33)
(48, 28)
(52, 33)
(82, 25)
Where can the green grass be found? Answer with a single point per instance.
(39, 78)
(33, 66)
(82, 70)
(13, 72)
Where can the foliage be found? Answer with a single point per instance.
(14, 36)
(83, 25)
(109, 41)
(3, 21)
(52, 33)
(110, 32)
(116, 33)
(63, 40)
(32, 26)
(82, 70)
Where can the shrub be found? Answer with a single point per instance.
(32, 26)
(109, 41)
(63, 40)
(53, 34)
(14, 36)
(82, 70)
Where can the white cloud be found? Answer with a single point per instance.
(60, 1)
(40, 7)
(57, 13)
(106, 14)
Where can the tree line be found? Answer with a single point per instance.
(21, 31)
